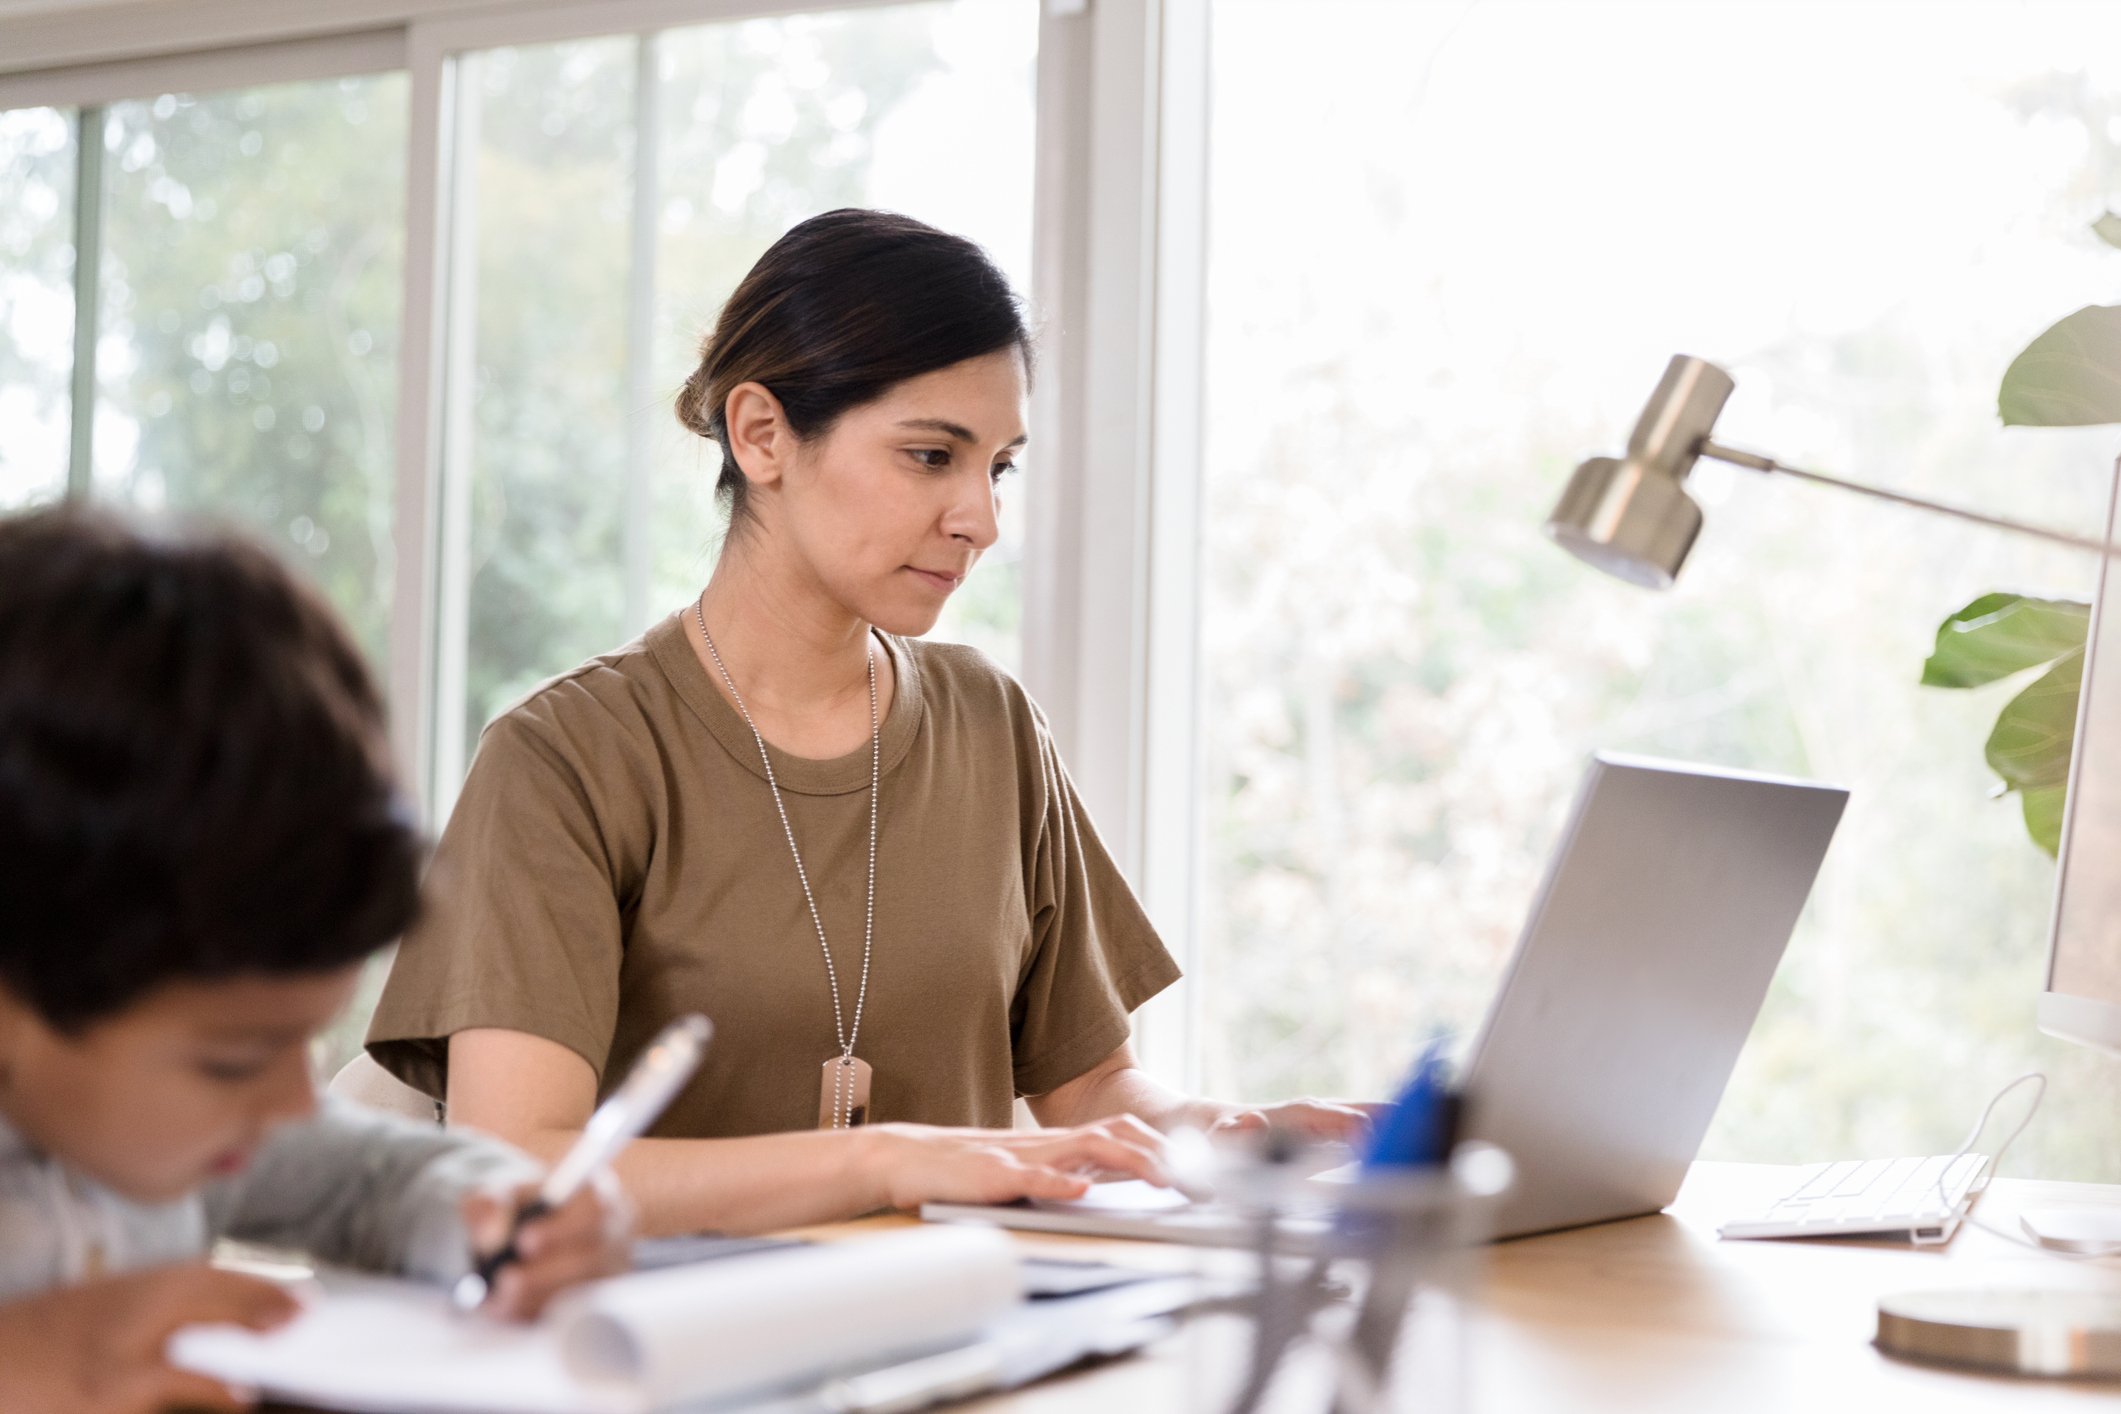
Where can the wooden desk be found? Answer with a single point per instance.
(1657, 1314)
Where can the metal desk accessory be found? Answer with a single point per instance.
(2057, 1333)
(1399, 1243)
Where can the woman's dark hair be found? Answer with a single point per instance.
(194, 781)
(839, 310)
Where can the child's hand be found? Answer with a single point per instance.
(591, 1237)
(97, 1348)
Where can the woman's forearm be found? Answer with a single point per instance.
(751, 1185)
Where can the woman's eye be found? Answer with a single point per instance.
(934, 458)
(1002, 469)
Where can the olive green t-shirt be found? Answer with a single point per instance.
(615, 860)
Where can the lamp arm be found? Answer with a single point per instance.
(1753, 461)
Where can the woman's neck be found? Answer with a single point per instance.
(799, 659)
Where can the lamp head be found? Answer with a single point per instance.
(1632, 517)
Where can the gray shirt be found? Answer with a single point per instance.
(349, 1186)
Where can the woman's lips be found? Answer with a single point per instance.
(943, 582)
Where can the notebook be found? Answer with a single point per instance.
(692, 1336)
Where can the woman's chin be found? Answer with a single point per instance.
(904, 620)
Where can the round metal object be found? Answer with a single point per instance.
(2074, 1334)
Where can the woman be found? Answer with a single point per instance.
(859, 853)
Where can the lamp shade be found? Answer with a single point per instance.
(1632, 517)
(1626, 520)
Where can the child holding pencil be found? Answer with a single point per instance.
(200, 843)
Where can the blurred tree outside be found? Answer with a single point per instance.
(1414, 337)
(37, 161)
(247, 363)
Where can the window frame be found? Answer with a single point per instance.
(1118, 219)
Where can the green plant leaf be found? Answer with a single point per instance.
(2001, 634)
(2030, 745)
(2043, 816)
(2108, 228)
(2068, 377)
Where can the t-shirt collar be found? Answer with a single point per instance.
(671, 645)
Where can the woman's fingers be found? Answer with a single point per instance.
(1040, 1181)
(1327, 1119)
(1103, 1150)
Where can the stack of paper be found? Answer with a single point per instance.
(652, 1340)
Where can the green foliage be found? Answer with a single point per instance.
(2043, 815)
(2068, 377)
(1999, 635)
(2030, 745)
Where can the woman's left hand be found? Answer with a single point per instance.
(1316, 1121)
(591, 1237)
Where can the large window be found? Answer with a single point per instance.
(247, 251)
(1449, 260)
(591, 512)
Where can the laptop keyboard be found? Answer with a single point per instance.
(1920, 1198)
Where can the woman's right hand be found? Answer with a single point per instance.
(912, 1164)
(96, 1348)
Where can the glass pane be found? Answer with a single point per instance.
(37, 161)
(1415, 335)
(760, 123)
(254, 253)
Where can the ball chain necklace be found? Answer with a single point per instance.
(843, 1095)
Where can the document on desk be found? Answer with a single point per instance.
(688, 1336)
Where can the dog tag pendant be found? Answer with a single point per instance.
(843, 1099)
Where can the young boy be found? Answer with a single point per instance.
(200, 843)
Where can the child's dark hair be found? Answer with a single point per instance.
(838, 311)
(194, 781)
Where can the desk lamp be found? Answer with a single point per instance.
(1632, 518)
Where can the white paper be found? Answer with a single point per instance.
(632, 1344)
(834, 1306)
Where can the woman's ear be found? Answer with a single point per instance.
(760, 440)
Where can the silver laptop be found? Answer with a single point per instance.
(1671, 896)
(1649, 949)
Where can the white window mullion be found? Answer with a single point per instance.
(1170, 761)
(642, 404)
(432, 176)
(1109, 622)
(1092, 292)
(456, 469)
(89, 128)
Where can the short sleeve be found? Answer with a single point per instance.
(520, 923)
(1095, 957)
